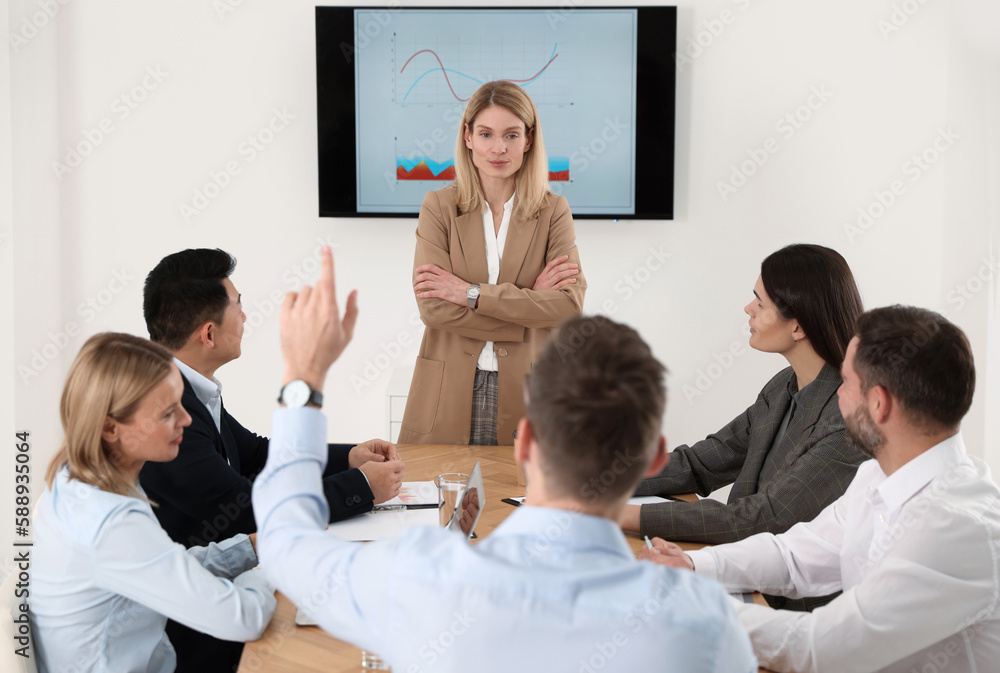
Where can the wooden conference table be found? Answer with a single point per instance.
(287, 648)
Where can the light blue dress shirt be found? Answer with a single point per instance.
(548, 590)
(105, 578)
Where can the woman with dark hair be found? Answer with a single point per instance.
(495, 269)
(105, 575)
(787, 456)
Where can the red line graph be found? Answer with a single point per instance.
(448, 81)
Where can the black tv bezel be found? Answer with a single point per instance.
(655, 110)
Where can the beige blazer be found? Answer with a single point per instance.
(514, 317)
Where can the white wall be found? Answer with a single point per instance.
(93, 235)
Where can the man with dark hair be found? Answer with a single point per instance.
(914, 542)
(192, 308)
(555, 586)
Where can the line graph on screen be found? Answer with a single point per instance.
(443, 72)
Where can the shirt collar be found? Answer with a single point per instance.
(912, 477)
(506, 206)
(563, 528)
(204, 389)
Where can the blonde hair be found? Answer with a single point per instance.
(109, 377)
(531, 182)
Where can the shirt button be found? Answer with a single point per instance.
(502, 352)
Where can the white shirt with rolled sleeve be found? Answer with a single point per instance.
(917, 555)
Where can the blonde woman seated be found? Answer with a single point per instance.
(106, 576)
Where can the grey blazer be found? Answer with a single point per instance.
(812, 467)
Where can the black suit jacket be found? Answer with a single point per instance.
(203, 498)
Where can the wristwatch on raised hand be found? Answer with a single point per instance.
(472, 296)
(298, 393)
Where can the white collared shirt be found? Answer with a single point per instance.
(208, 391)
(917, 555)
(495, 241)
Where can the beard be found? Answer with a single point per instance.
(863, 433)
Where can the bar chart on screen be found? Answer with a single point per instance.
(423, 168)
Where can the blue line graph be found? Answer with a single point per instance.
(454, 72)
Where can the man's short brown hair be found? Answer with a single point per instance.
(922, 359)
(595, 403)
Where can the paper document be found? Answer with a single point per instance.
(382, 525)
(414, 493)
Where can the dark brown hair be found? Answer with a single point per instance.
(183, 292)
(922, 359)
(595, 402)
(814, 285)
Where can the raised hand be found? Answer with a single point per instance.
(313, 334)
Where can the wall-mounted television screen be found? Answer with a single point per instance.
(392, 85)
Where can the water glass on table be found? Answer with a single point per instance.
(373, 662)
(450, 487)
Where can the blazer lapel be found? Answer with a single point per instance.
(810, 405)
(473, 241)
(228, 441)
(761, 438)
(519, 236)
(195, 407)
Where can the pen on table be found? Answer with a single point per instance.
(401, 508)
(649, 543)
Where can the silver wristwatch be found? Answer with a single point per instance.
(298, 393)
(472, 296)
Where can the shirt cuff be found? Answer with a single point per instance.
(239, 553)
(704, 563)
(226, 558)
(366, 479)
(301, 433)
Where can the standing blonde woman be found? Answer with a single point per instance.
(106, 576)
(496, 268)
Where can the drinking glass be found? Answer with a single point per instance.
(373, 662)
(450, 487)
